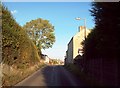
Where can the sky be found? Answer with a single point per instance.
(60, 14)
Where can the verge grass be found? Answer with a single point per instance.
(12, 76)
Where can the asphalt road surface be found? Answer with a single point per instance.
(51, 76)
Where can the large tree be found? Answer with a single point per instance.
(41, 32)
(104, 39)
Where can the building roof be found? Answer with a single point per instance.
(70, 40)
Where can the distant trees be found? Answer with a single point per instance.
(103, 41)
(54, 61)
(41, 32)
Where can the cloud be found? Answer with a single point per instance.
(14, 11)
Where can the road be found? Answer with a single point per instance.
(51, 76)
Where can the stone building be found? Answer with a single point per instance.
(75, 45)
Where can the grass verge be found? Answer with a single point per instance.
(13, 76)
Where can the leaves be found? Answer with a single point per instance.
(15, 42)
(41, 32)
(103, 40)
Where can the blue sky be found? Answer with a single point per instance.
(60, 14)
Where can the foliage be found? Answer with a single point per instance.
(41, 32)
(53, 61)
(19, 54)
(0, 34)
(103, 41)
(0, 16)
(17, 48)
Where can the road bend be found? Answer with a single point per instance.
(55, 75)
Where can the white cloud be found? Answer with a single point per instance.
(14, 11)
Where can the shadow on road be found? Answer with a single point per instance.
(57, 75)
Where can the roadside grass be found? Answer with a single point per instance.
(75, 70)
(13, 76)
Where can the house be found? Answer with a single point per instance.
(45, 58)
(75, 46)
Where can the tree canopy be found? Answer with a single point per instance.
(103, 41)
(41, 32)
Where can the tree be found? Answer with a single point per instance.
(103, 41)
(41, 32)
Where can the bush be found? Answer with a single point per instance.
(20, 55)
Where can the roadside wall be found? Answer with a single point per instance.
(104, 71)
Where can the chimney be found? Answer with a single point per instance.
(80, 28)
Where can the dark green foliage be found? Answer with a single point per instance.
(103, 41)
(17, 48)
